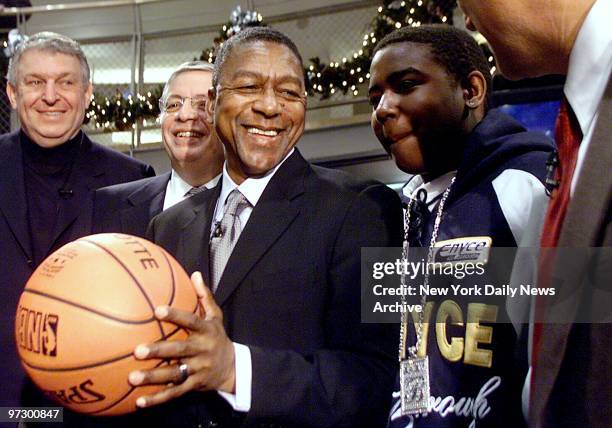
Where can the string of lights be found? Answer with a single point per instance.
(349, 74)
(120, 113)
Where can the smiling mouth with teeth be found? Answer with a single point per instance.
(270, 133)
(189, 134)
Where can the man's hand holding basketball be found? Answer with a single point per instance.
(205, 360)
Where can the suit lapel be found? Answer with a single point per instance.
(272, 215)
(151, 195)
(584, 219)
(13, 204)
(196, 230)
(157, 203)
(592, 191)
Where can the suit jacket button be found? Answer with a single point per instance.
(30, 262)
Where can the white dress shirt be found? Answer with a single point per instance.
(589, 70)
(177, 188)
(252, 189)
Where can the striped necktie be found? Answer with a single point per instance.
(225, 236)
(194, 191)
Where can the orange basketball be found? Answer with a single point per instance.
(86, 308)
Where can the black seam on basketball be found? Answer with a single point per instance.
(197, 305)
(85, 308)
(88, 366)
(110, 253)
(172, 277)
(93, 365)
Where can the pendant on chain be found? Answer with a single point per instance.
(414, 370)
(414, 383)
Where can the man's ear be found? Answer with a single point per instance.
(11, 92)
(88, 94)
(469, 24)
(210, 105)
(475, 93)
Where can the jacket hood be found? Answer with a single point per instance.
(496, 140)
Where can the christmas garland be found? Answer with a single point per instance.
(324, 80)
(123, 110)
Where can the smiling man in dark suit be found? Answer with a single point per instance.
(195, 153)
(48, 172)
(278, 241)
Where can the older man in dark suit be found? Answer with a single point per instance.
(278, 241)
(571, 367)
(195, 153)
(48, 172)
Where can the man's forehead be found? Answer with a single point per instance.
(69, 64)
(33, 54)
(191, 79)
(261, 46)
(246, 57)
(402, 57)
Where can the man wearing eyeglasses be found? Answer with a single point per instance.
(195, 153)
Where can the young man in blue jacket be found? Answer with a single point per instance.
(474, 174)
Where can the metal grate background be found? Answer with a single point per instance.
(5, 109)
(329, 33)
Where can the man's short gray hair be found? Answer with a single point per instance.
(49, 42)
(186, 66)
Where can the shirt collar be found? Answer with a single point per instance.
(590, 64)
(434, 188)
(180, 187)
(251, 188)
(415, 182)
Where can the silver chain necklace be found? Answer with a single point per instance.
(414, 370)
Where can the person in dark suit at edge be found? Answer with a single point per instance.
(48, 171)
(568, 384)
(278, 241)
(195, 153)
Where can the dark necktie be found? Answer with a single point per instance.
(194, 191)
(419, 216)
(568, 137)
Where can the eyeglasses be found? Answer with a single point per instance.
(173, 105)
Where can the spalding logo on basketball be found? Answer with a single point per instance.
(86, 308)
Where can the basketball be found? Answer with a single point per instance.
(85, 309)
